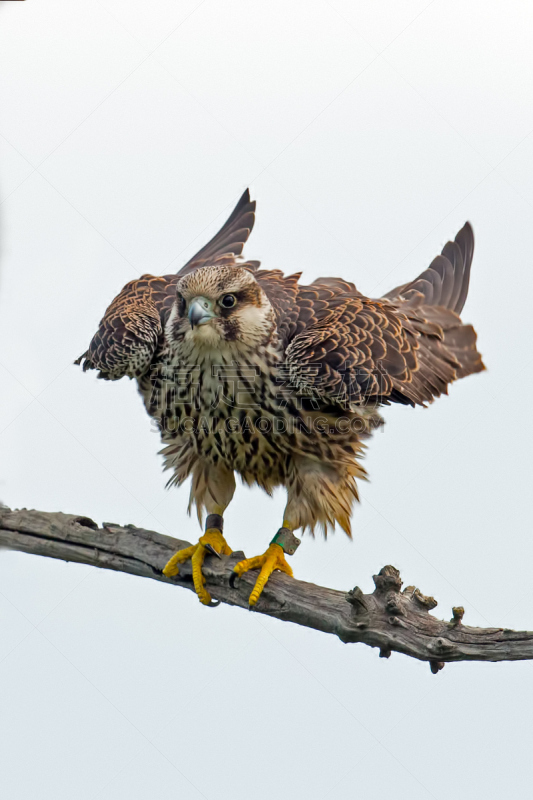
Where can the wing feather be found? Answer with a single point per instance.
(131, 329)
(230, 239)
(133, 325)
(452, 267)
(406, 347)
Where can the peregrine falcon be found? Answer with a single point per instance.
(248, 371)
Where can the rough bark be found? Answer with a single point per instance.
(388, 618)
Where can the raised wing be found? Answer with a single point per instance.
(130, 329)
(133, 325)
(445, 282)
(407, 347)
(230, 239)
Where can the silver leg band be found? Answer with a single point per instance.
(288, 542)
(214, 521)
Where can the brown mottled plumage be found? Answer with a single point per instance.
(278, 381)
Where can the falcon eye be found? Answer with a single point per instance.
(181, 302)
(228, 301)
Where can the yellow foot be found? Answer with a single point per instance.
(213, 542)
(273, 559)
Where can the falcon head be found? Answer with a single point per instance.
(221, 304)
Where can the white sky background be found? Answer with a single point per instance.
(368, 132)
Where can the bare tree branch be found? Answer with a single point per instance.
(389, 618)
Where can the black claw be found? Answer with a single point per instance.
(214, 603)
(212, 550)
(232, 578)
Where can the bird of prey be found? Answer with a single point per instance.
(248, 371)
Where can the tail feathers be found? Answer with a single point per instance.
(461, 341)
(458, 338)
(443, 356)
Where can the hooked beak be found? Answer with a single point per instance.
(200, 311)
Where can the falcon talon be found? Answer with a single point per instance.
(211, 549)
(232, 578)
(207, 543)
(231, 334)
(272, 559)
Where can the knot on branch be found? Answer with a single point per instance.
(442, 647)
(387, 579)
(389, 596)
(86, 522)
(423, 601)
(458, 614)
(405, 611)
(357, 600)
